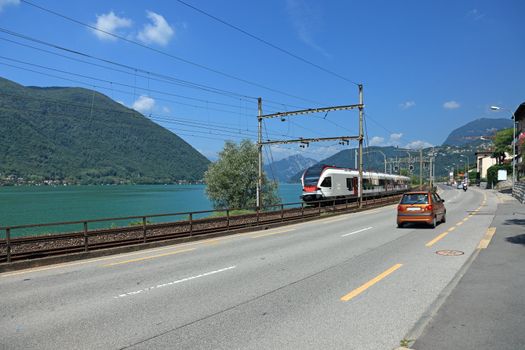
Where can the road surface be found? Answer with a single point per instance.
(353, 281)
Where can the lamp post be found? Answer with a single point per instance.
(498, 108)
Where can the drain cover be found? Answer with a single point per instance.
(448, 252)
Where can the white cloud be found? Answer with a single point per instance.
(4, 3)
(475, 15)
(407, 104)
(395, 138)
(166, 110)
(418, 144)
(110, 23)
(376, 141)
(158, 32)
(306, 20)
(451, 105)
(144, 104)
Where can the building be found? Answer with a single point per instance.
(519, 115)
(484, 161)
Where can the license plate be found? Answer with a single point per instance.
(413, 209)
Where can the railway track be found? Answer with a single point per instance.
(37, 247)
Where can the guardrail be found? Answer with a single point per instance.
(85, 239)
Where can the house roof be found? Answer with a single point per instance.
(520, 112)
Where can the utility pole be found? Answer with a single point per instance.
(360, 195)
(259, 149)
(430, 173)
(421, 168)
(355, 158)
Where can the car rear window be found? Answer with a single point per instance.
(415, 198)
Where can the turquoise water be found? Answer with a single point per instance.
(44, 204)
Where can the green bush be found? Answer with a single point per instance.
(492, 173)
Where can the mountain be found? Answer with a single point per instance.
(482, 128)
(78, 135)
(284, 169)
(446, 157)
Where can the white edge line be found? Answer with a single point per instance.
(174, 282)
(361, 230)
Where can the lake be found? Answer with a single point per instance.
(42, 204)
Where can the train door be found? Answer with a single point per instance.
(355, 184)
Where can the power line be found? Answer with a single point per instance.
(124, 85)
(253, 36)
(133, 69)
(167, 54)
(172, 119)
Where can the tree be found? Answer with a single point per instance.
(502, 144)
(232, 180)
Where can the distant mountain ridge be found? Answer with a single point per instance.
(284, 169)
(475, 130)
(53, 133)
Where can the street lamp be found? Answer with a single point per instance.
(498, 108)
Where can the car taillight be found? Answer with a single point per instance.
(399, 208)
(428, 207)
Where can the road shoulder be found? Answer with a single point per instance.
(485, 309)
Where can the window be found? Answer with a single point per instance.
(349, 183)
(311, 176)
(327, 182)
(415, 198)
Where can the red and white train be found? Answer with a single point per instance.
(329, 182)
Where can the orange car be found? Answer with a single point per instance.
(421, 206)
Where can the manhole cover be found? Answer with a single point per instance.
(448, 252)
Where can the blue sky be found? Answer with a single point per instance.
(427, 67)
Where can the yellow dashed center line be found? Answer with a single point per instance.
(370, 283)
(149, 257)
(439, 237)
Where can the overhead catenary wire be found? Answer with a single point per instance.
(266, 42)
(134, 86)
(165, 53)
(132, 70)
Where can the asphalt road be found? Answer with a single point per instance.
(354, 281)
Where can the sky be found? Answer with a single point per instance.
(427, 67)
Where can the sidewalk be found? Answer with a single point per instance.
(486, 310)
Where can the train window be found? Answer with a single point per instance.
(349, 183)
(312, 174)
(327, 182)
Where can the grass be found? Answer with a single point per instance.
(219, 214)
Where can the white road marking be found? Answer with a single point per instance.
(361, 230)
(174, 282)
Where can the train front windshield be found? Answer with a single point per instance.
(312, 175)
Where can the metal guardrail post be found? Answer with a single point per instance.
(8, 244)
(85, 236)
(333, 205)
(319, 206)
(282, 212)
(144, 229)
(228, 219)
(191, 224)
(302, 210)
(258, 215)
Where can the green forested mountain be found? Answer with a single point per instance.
(81, 136)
